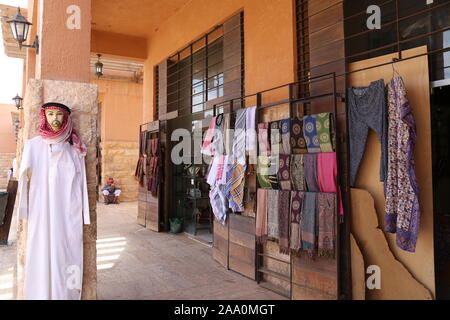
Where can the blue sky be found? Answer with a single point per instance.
(11, 69)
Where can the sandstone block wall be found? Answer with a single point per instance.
(82, 99)
(6, 160)
(118, 160)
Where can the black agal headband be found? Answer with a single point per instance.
(55, 104)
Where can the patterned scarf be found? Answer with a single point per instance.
(308, 222)
(285, 126)
(239, 137)
(275, 138)
(296, 209)
(310, 132)
(283, 221)
(218, 137)
(274, 165)
(262, 172)
(141, 164)
(227, 134)
(155, 178)
(217, 196)
(235, 185)
(324, 124)
(272, 213)
(326, 206)
(261, 216)
(207, 142)
(297, 172)
(310, 166)
(65, 133)
(326, 174)
(283, 172)
(298, 143)
(263, 139)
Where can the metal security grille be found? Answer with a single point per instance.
(302, 35)
(208, 69)
(405, 24)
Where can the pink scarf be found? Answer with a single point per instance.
(65, 133)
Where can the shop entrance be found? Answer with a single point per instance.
(440, 115)
(189, 190)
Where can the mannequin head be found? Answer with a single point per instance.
(55, 118)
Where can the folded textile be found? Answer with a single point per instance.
(207, 142)
(217, 198)
(324, 125)
(261, 216)
(326, 174)
(308, 222)
(283, 220)
(297, 172)
(262, 172)
(275, 138)
(326, 204)
(298, 143)
(310, 171)
(263, 139)
(272, 213)
(296, 209)
(310, 132)
(284, 176)
(239, 137)
(285, 127)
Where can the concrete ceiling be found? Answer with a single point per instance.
(137, 18)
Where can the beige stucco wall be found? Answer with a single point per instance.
(82, 98)
(7, 139)
(121, 115)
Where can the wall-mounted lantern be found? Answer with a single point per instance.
(20, 28)
(18, 101)
(98, 67)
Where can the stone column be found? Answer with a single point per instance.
(62, 74)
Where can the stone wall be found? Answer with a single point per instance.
(118, 160)
(6, 160)
(82, 99)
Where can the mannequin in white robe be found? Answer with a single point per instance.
(55, 204)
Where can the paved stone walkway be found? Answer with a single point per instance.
(136, 263)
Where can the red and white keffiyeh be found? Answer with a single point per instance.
(65, 133)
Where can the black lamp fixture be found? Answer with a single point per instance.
(98, 67)
(20, 28)
(18, 101)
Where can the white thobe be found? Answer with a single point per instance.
(55, 204)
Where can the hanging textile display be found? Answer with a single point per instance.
(324, 124)
(326, 206)
(284, 172)
(298, 142)
(263, 139)
(272, 213)
(262, 172)
(217, 146)
(296, 209)
(366, 109)
(235, 187)
(310, 133)
(310, 167)
(401, 188)
(141, 164)
(283, 221)
(297, 172)
(155, 172)
(275, 138)
(326, 175)
(228, 139)
(285, 126)
(308, 222)
(207, 142)
(261, 216)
